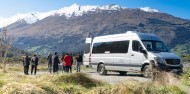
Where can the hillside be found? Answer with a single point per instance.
(62, 33)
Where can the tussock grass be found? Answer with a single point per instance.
(165, 78)
(14, 82)
(19, 88)
(136, 87)
(79, 79)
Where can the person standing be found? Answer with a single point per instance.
(34, 64)
(62, 58)
(26, 64)
(70, 67)
(49, 58)
(67, 62)
(55, 61)
(79, 62)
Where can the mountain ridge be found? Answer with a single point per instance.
(73, 10)
(58, 33)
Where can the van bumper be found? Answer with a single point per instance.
(174, 69)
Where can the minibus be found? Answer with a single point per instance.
(130, 51)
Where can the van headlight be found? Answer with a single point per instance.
(160, 60)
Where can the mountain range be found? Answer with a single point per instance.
(66, 29)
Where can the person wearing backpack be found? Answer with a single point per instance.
(26, 64)
(34, 64)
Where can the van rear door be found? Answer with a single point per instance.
(86, 56)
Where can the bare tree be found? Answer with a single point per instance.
(5, 44)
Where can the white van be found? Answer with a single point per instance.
(131, 51)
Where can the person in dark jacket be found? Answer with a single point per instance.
(49, 58)
(79, 62)
(70, 67)
(34, 64)
(67, 62)
(55, 61)
(26, 63)
(62, 58)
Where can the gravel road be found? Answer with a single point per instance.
(111, 77)
(114, 77)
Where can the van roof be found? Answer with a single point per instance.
(142, 36)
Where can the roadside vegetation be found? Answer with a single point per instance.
(186, 77)
(15, 82)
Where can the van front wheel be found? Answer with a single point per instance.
(102, 70)
(147, 71)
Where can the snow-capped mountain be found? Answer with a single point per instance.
(66, 29)
(73, 10)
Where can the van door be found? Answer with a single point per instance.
(121, 55)
(86, 56)
(102, 54)
(137, 58)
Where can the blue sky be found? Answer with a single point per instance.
(8, 8)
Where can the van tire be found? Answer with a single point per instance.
(122, 73)
(147, 71)
(102, 69)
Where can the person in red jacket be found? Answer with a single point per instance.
(67, 62)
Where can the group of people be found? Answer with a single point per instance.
(27, 61)
(67, 62)
(53, 63)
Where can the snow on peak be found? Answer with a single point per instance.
(77, 10)
(111, 7)
(148, 9)
(73, 10)
(28, 18)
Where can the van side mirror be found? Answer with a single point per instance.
(142, 50)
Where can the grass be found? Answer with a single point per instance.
(186, 77)
(14, 82)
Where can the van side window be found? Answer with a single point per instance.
(112, 47)
(135, 45)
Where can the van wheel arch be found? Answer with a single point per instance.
(145, 64)
(152, 63)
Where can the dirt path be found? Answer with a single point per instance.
(111, 77)
(114, 77)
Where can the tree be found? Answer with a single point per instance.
(5, 44)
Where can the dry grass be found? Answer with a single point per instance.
(79, 79)
(20, 88)
(165, 78)
(186, 77)
(14, 82)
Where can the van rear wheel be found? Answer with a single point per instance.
(102, 69)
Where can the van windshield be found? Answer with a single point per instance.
(155, 46)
